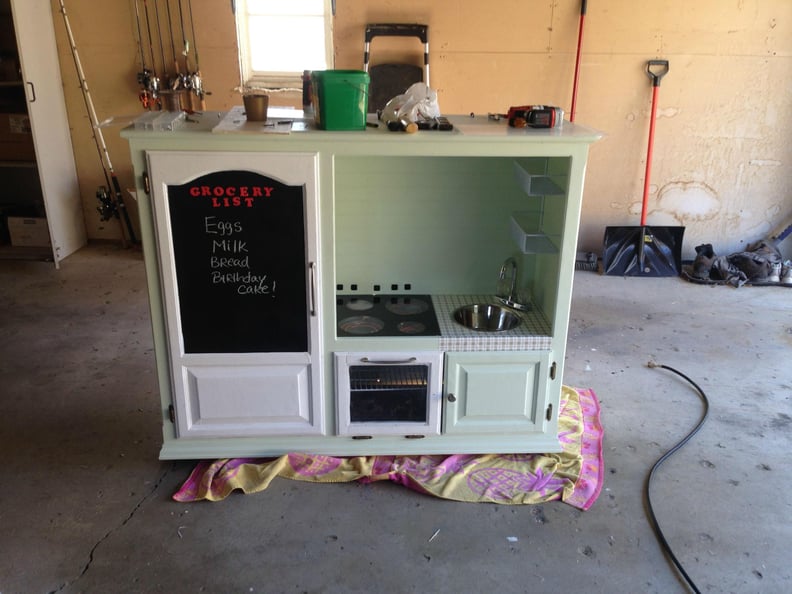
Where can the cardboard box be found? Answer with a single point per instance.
(28, 231)
(16, 138)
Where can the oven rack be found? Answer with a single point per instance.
(381, 378)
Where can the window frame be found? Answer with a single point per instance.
(250, 78)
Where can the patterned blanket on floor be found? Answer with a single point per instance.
(573, 475)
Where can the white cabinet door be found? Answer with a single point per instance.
(496, 392)
(38, 57)
(254, 398)
(237, 240)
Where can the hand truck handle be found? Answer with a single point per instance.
(399, 30)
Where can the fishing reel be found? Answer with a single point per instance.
(149, 95)
(143, 77)
(179, 81)
(107, 207)
(149, 81)
(196, 84)
(174, 82)
(146, 100)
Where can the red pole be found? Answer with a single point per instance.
(648, 172)
(577, 62)
(660, 70)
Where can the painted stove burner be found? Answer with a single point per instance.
(406, 306)
(356, 304)
(411, 327)
(361, 325)
(386, 315)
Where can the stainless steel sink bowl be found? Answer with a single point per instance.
(486, 317)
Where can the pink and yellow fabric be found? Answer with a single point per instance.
(573, 476)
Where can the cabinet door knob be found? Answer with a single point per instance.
(451, 398)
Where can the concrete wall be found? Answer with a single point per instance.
(723, 144)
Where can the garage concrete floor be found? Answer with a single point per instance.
(85, 504)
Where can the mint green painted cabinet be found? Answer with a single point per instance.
(431, 214)
(497, 392)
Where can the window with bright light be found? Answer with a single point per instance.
(279, 39)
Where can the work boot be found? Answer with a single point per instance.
(775, 273)
(702, 265)
(786, 272)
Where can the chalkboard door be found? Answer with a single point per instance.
(238, 239)
(239, 251)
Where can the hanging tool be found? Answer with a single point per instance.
(645, 251)
(116, 206)
(572, 110)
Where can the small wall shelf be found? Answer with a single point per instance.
(526, 231)
(537, 184)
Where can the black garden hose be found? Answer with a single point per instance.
(650, 510)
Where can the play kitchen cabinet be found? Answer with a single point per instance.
(303, 286)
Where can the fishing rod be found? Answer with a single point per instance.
(175, 98)
(142, 76)
(195, 77)
(190, 78)
(176, 81)
(150, 79)
(186, 79)
(110, 206)
(159, 34)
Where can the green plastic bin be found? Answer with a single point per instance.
(340, 98)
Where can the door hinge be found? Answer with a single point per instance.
(553, 371)
(549, 412)
(146, 183)
(172, 414)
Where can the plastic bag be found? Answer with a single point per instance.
(419, 102)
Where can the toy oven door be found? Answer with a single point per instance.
(388, 394)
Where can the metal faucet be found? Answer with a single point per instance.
(510, 297)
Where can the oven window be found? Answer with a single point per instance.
(388, 393)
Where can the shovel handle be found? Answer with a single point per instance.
(660, 70)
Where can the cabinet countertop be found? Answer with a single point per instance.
(533, 332)
(467, 129)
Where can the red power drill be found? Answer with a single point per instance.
(535, 116)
